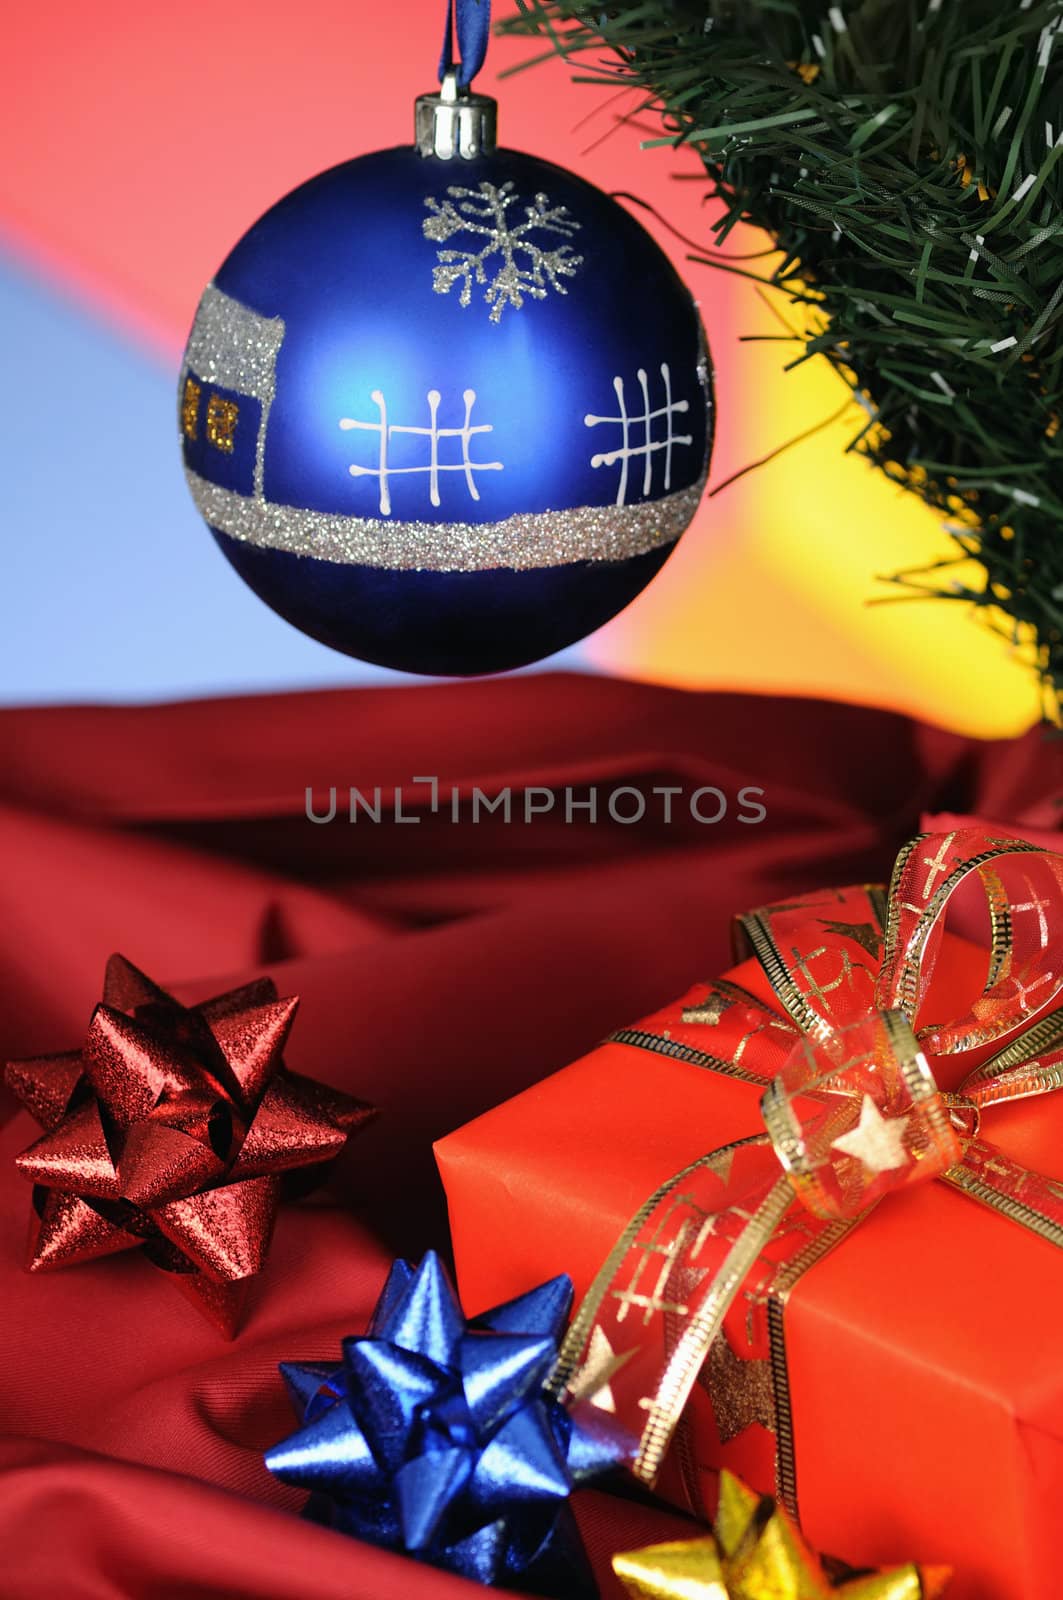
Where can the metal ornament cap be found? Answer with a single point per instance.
(455, 123)
(856, 1113)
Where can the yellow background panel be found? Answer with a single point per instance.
(771, 587)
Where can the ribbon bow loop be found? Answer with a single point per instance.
(855, 1111)
(1023, 889)
(857, 1114)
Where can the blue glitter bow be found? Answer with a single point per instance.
(436, 1437)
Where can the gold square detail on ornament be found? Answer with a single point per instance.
(222, 417)
(190, 409)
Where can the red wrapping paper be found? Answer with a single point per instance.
(429, 959)
(921, 1362)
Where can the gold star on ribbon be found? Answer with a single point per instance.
(593, 1380)
(876, 1140)
(865, 934)
(741, 1391)
(755, 1552)
(708, 1011)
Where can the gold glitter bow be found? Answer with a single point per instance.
(755, 1552)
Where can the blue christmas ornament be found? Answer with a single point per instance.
(447, 407)
(438, 1436)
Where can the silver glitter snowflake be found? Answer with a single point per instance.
(523, 267)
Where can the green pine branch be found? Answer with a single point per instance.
(906, 156)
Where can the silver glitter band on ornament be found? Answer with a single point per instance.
(521, 543)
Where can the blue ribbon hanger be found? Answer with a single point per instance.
(470, 20)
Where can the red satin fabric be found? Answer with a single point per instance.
(442, 968)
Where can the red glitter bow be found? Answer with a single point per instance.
(170, 1131)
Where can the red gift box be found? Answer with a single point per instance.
(901, 1386)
